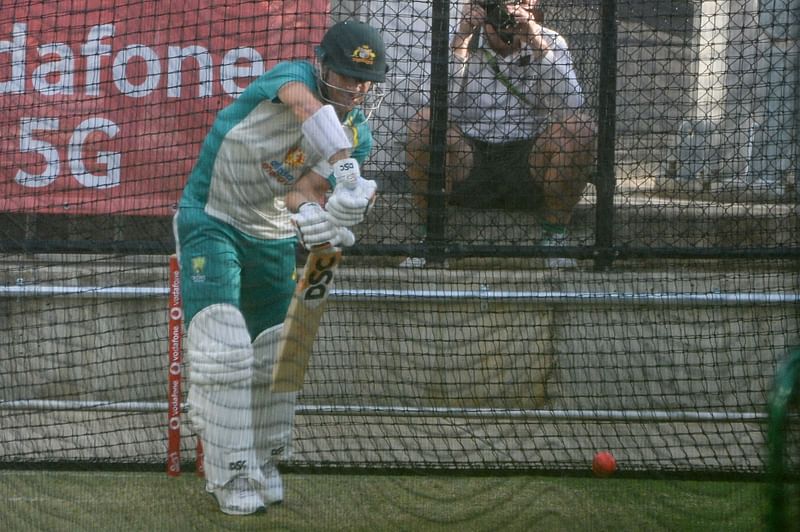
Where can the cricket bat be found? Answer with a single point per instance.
(308, 303)
(302, 320)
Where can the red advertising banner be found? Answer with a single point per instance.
(106, 102)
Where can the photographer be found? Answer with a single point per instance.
(517, 137)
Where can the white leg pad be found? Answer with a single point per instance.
(220, 378)
(273, 412)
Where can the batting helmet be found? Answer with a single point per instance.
(354, 49)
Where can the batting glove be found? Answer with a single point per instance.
(353, 196)
(314, 228)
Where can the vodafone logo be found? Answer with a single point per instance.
(134, 69)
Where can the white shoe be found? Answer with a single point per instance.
(555, 263)
(272, 491)
(413, 262)
(239, 497)
(558, 240)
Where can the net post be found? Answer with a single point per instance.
(175, 370)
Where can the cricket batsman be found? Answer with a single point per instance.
(265, 177)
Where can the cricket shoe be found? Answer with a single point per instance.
(272, 490)
(557, 240)
(413, 262)
(239, 497)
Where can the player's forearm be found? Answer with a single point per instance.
(299, 99)
(311, 187)
(293, 200)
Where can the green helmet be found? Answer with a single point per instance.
(355, 49)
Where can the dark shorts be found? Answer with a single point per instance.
(500, 178)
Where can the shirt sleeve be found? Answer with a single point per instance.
(559, 80)
(266, 87)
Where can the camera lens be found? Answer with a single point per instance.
(498, 16)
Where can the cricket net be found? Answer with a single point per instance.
(660, 346)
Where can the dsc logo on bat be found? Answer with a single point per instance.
(320, 278)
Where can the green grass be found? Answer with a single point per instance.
(132, 501)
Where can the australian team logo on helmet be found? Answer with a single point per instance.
(364, 54)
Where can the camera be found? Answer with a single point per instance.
(498, 16)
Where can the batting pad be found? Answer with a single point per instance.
(221, 373)
(273, 413)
